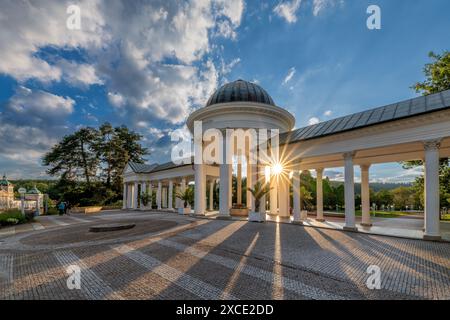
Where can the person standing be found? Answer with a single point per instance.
(61, 208)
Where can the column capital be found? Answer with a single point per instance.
(349, 155)
(319, 170)
(432, 144)
(365, 166)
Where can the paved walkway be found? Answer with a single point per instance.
(403, 227)
(168, 256)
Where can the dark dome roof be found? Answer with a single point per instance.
(240, 90)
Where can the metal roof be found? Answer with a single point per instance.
(391, 112)
(141, 167)
(240, 90)
(4, 181)
(146, 168)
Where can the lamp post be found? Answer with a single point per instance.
(22, 192)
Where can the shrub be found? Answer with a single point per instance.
(12, 221)
(12, 217)
(52, 211)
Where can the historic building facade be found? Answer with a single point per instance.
(6, 193)
(415, 129)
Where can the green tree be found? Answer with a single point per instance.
(402, 197)
(437, 74)
(383, 198)
(74, 156)
(125, 147)
(114, 148)
(90, 162)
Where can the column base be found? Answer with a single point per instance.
(431, 238)
(366, 224)
(320, 219)
(194, 214)
(352, 229)
(223, 217)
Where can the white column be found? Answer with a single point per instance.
(129, 196)
(296, 195)
(124, 199)
(136, 195)
(230, 186)
(143, 190)
(176, 190)
(183, 189)
(239, 184)
(170, 198)
(224, 190)
(319, 195)
(432, 223)
(265, 181)
(251, 180)
(158, 195)
(273, 194)
(211, 195)
(200, 189)
(365, 196)
(150, 192)
(349, 187)
(164, 197)
(283, 196)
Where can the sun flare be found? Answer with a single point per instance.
(277, 168)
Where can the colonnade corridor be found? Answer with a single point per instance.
(214, 192)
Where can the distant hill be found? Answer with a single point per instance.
(375, 186)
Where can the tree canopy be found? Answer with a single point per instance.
(93, 159)
(437, 74)
(437, 78)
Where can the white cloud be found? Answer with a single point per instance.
(30, 26)
(126, 48)
(288, 10)
(152, 57)
(226, 30)
(313, 120)
(398, 175)
(232, 9)
(79, 74)
(31, 123)
(37, 108)
(328, 113)
(116, 99)
(289, 75)
(227, 67)
(320, 5)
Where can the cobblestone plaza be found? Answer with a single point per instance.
(168, 256)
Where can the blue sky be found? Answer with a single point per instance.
(148, 64)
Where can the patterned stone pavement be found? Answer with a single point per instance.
(167, 256)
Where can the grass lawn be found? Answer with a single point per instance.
(386, 214)
(391, 214)
(382, 214)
